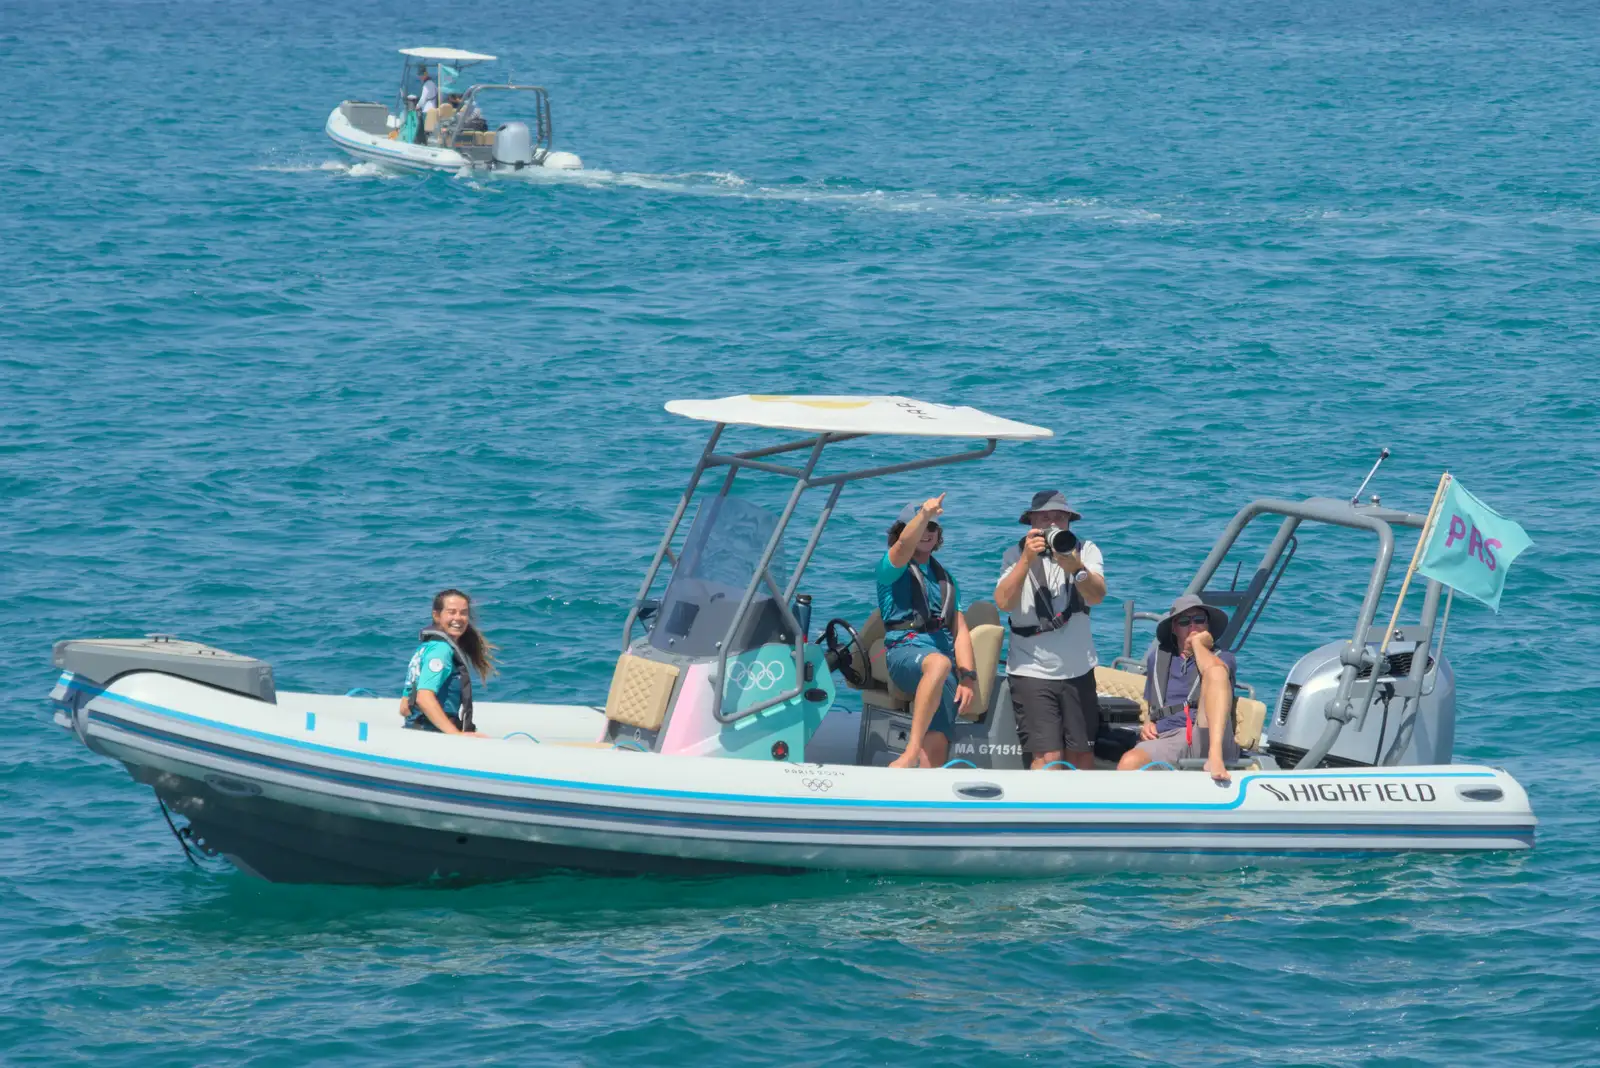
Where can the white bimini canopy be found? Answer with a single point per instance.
(447, 55)
(900, 416)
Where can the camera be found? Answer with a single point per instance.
(1060, 541)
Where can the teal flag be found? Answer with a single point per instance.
(447, 79)
(1472, 546)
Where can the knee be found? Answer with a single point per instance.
(1133, 760)
(935, 666)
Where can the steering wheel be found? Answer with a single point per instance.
(839, 654)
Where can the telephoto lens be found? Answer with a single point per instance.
(1060, 541)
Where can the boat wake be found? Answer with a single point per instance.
(837, 194)
(340, 167)
(827, 194)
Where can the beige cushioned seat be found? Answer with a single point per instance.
(983, 625)
(1249, 715)
(1128, 685)
(983, 621)
(640, 690)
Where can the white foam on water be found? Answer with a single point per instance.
(371, 170)
(347, 168)
(734, 186)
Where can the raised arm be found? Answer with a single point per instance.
(905, 546)
(1008, 591)
(1092, 587)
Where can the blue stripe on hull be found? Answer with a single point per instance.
(652, 820)
(1244, 781)
(393, 157)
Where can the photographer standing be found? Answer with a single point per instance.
(1048, 582)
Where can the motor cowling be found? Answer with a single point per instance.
(513, 145)
(1399, 729)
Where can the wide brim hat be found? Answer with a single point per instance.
(1047, 501)
(1217, 617)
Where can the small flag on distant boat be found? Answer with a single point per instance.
(1471, 545)
(447, 78)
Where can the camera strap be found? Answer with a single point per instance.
(1043, 604)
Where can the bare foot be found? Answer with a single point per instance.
(907, 759)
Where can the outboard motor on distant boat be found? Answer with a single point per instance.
(513, 145)
(1411, 718)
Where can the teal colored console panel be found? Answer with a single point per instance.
(761, 674)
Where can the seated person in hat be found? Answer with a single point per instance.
(1189, 688)
(472, 119)
(1052, 660)
(927, 648)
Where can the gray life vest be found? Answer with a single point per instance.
(1043, 607)
(1163, 677)
(921, 619)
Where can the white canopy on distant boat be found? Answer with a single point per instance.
(901, 416)
(447, 55)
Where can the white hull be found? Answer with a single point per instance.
(424, 158)
(319, 788)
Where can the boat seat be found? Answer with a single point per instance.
(640, 691)
(1127, 685)
(1249, 715)
(988, 636)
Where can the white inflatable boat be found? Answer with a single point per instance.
(481, 127)
(771, 769)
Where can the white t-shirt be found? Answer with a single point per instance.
(430, 96)
(1057, 654)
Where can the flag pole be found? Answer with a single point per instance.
(1416, 557)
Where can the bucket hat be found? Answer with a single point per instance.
(1218, 619)
(1048, 501)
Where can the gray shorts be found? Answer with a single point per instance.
(1055, 715)
(1171, 747)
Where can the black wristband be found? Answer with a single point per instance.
(966, 675)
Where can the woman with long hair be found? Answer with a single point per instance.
(438, 693)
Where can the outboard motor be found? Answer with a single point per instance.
(513, 145)
(1401, 726)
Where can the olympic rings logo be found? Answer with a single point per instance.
(758, 676)
(818, 785)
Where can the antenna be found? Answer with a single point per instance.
(1383, 455)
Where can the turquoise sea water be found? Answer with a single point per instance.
(262, 398)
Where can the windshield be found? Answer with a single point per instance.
(718, 561)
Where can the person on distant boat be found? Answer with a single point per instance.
(438, 691)
(927, 650)
(1189, 688)
(1052, 660)
(472, 119)
(429, 98)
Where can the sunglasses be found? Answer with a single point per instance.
(932, 528)
(1201, 620)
